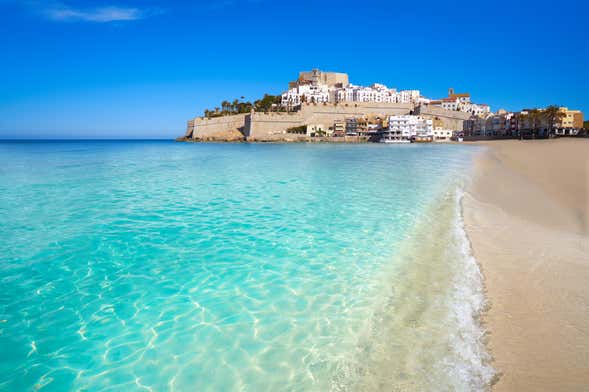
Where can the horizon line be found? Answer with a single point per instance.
(82, 139)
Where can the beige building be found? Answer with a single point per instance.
(339, 127)
(571, 119)
(462, 97)
(331, 79)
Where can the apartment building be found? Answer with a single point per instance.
(408, 127)
(571, 119)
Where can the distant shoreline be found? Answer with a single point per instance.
(82, 140)
(310, 141)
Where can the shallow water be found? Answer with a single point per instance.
(166, 266)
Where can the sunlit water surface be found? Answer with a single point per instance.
(174, 267)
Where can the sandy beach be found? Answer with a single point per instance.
(527, 216)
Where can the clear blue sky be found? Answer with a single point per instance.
(141, 68)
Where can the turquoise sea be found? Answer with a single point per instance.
(162, 266)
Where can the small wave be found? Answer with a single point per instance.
(470, 359)
(425, 334)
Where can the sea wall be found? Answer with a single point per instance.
(258, 126)
(273, 126)
(230, 128)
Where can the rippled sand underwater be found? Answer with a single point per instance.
(166, 266)
(425, 335)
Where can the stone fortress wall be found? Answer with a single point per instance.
(257, 126)
(327, 114)
(273, 126)
(225, 128)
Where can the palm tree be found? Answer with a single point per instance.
(522, 118)
(535, 116)
(531, 118)
(234, 105)
(552, 115)
(224, 106)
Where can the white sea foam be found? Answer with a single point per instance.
(426, 334)
(469, 362)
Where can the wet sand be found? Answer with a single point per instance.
(526, 214)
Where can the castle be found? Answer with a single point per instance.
(325, 101)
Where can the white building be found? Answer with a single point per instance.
(368, 94)
(477, 110)
(318, 93)
(345, 94)
(462, 104)
(408, 96)
(408, 127)
(375, 93)
(450, 104)
(318, 130)
(442, 135)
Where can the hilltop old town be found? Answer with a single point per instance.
(325, 106)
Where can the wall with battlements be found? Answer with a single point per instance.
(327, 114)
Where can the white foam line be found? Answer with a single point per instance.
(468, 303)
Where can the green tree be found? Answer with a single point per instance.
(265, 104)
(552, 115)
(532, 119)
(528, 120)
(536, 119)
(522, 119)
